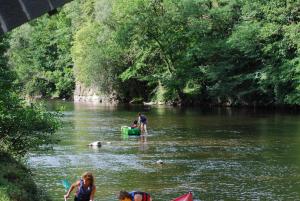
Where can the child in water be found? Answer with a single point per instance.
(135, 124)
(134, 196)
(85, 188)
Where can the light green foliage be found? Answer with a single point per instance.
(40, 54)
(3, 194)
(98, 59)
(95, 56)
(160, 94)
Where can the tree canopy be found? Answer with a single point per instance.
(228, 52)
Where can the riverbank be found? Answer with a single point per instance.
(16, 183)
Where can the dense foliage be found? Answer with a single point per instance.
(40, 54)
(228, 52)
(22, 126)
(16, 182)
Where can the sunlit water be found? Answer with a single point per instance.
(218, 154)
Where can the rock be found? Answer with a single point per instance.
(94, 95)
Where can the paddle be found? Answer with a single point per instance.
(67, 185)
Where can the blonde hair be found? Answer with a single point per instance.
(88, 176)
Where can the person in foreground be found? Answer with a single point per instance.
(85, 188)
(134, 196)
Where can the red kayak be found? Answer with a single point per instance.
(185, 197)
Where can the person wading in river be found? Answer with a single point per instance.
(142, 119)
(134, 196)
(85, 188)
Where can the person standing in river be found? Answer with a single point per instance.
(85, 188)
(142, 120)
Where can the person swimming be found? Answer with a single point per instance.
(134, 196)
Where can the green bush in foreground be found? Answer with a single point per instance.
(23, 127)
(3, 195)
(16, 183)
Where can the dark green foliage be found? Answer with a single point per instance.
(262, 62)
(228, 52)
(16, 183)
(22, 126)
(224, 52)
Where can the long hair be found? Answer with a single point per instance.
(88, 176)
(123, 195)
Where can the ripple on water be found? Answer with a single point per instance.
(113, 162)
(227, 158)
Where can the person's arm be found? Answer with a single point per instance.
(71, 189)
(93, 193)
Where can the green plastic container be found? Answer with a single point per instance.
(126, 130)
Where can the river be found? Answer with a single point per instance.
(217, 153)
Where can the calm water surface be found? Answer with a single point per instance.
(219, 154)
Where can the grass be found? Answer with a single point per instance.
(16, 183)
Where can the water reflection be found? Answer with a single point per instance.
(143, 142)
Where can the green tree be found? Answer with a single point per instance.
(190, 51)
(225, 52)
(40, 54)
(22, 126)
(262, 56)
(174, 43)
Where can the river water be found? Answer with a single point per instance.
(218, 154)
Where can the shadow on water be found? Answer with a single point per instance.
(218, 153)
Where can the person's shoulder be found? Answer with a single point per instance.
(76, 183)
